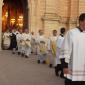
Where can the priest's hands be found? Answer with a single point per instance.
(66, 71)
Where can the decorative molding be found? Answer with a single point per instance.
(65, 20)
(68, 20)
(73, 20)
(51, 17)
(56, 17)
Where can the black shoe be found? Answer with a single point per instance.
(57, 74)
(38, 61)
(31, 52)
(50, 65)
(26, 56)
(13, 52)
(19, 53)
(22, 55)
(44, 62)
(62, 76)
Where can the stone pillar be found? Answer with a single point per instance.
(81, 6)
(26, 17)
(51, 17)
(32, 15)
(1, 3)
(39, 13)
(74, 13)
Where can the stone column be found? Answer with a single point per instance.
(81, 6)
(74, 13)
(1, 3)
(32, 15)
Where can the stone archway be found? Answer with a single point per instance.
(13, 9)
(26, 17)
(30, 7)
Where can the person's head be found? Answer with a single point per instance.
(62, 30)
(41, 32)
(26, 31)
(20, 30)
(7, 30)
(32, 33)
(54, 32)
(82, 21)
(14, 30)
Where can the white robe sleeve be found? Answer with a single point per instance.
(66, 48)
(17, 37)
(49, 42)
(3, 35)
(58, 42)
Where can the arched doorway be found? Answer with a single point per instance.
(14, 14)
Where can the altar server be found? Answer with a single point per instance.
(13, 44)
(6, 39)
(73, 50)
(42, 47)
(27, 43)
(19, 41)
(53, 48)
(33, 43)
(58, 67)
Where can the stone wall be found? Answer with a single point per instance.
(51, 14)
(54, 14)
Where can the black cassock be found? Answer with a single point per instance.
(13, 43)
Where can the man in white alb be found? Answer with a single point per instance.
(6, 39)
(53, 47)
(27, 40)
(19, 40)
(42, 47)
(58, 67)
(73, 52)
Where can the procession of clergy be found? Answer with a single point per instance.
(65, 51)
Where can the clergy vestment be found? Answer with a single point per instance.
(53, 48)
(13, 44)
(19, 41)
(73, 50)
(27, 44)
(22, 43)
(59, 46)
(33, 44)
(58, 66)
(42, 48)
(6, 40)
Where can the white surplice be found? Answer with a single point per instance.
(6, 39)
(59, 45)
(41, 47)
(73, 50)
(39, 39)
(26, 44)
(53, 48)
(19, 41)
(33, 43)
(27, 39)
